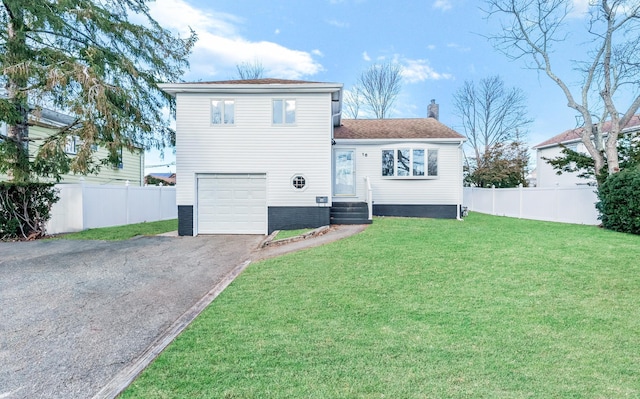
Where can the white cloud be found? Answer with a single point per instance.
(458, 47)
(220, 47)
(580, 8)
(277, 31)
(365, 56)
(431, 47)
(338, 24)
(414, 71)
(317, 53)
(443, 5)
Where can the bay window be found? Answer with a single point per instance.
(409, 163)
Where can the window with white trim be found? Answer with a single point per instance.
(223, 112)
(409, 163)
(284, 112)
(71, 146)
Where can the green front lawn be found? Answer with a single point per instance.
(419, 308)
(117, 233)
(282, 234)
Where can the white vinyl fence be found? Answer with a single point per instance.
(555, 204)
(86, 206)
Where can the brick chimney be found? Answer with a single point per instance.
(433, 110)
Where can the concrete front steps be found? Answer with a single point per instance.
(350, 213)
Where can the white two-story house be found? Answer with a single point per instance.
(254, 156)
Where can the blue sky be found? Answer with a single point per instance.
(438, 43)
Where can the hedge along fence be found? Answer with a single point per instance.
(25, 209)
(619, 203)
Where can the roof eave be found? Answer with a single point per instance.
(447, 140)
(175, 88)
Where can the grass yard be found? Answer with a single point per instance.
(419, 308)
(282, 234)
(117, 233)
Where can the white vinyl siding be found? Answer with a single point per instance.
(444, 189)
(546, 175)
(256, 145)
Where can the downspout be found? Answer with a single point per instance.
(460, 189)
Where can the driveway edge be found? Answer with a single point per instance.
(125, 377)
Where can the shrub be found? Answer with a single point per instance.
(619, 204)
(25, 208)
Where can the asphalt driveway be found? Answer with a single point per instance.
(73, 314)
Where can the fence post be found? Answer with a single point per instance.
(556, 202)
(473, 194)
(126, 201)
(160, 205)
(83, 205)
(520, 201)
(493, 199)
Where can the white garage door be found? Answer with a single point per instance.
(232, 204)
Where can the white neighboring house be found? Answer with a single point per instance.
(49, 122)
(254, 156)
(552, 148)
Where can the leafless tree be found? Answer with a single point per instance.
(492, 117)
(532, 29)
(490, 113)
(380, 85)
(352, 101)
(250, 70)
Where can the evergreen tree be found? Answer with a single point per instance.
(88, 59)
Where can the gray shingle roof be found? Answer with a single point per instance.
(415, 128)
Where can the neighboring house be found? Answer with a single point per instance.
(130, 170)
(254, 156)
(165, 179)
(552, 148)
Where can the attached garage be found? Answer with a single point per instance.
(232, 204)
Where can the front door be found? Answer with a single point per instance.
(344, 172)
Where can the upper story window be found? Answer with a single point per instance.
(284, 112)
(222, 112)
(71, 146)
(409, 162)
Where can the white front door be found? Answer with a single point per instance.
(344, 172)
(232, 204)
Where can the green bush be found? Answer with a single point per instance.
(619, 204)
(25, 208)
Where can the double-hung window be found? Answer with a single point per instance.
(284, 112)
(409, 163)
(71, 146)
(222, 112)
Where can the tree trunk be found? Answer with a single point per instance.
(18, 126)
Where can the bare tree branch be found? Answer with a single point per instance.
(250, 70)
(493, 117)
(532, 29)
(380, 85)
